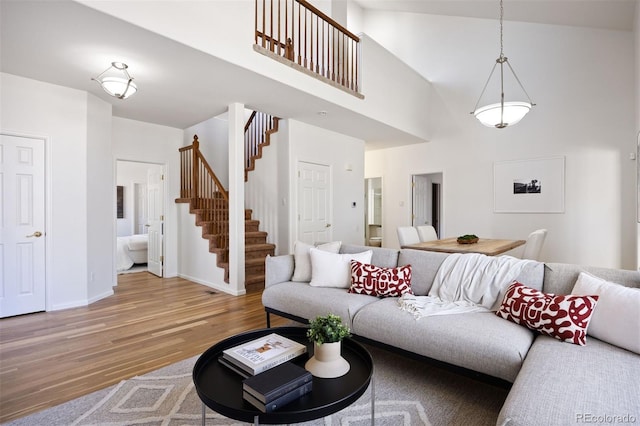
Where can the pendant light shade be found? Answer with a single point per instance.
(116, 81)
(503, 113)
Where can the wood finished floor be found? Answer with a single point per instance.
(49, 358)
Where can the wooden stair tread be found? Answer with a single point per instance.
(254, 261)
(257, 247)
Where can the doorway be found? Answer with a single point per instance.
(427, 201)
(140, 227)
(373, 212)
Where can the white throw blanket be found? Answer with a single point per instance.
(466, 283)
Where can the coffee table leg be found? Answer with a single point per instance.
(373, 400)
(204, 414)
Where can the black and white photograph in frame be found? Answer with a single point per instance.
(529, 186)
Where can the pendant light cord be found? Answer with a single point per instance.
(501, 41)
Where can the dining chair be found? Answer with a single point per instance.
(534, 243)
(407, 235)
(427, 233)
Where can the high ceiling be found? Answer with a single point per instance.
(65, 43)
(606, 14)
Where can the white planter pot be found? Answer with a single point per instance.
(326, 362)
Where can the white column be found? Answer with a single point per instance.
(236, 198)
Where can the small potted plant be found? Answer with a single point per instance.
(327, 332)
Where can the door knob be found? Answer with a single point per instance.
(147, 225)
(328, 225)
(36, 234)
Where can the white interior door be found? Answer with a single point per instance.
(155, 222)
(22, 220)
(141, 205)
(314, 203)
(421, 200)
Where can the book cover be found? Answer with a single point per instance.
(276, 381)
(264, 353)
(280, 401)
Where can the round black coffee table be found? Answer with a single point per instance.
(220, 388)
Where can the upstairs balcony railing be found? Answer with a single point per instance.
(300, 33)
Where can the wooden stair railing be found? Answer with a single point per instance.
(209, 201)
(299, 32)
(257, 134)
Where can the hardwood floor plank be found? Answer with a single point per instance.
(49, 358)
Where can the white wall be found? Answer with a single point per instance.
(62, 116)
(636, 32)
(101, 274)
(151, 143)
(273, 195)
(213, 138)
(262, 194)
(580, 79)
(315, 145)
(195, 262)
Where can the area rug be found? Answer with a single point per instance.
(407, 392)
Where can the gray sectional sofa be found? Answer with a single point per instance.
(551, 382)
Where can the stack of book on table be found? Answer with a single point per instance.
(256, 356)
(276, 387)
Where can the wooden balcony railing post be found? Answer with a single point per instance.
(195, 168)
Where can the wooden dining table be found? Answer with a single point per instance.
(488, 246)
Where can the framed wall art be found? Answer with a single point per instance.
(120, 202)
(529, 186)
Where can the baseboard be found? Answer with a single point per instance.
(213, 285)
(100, 296)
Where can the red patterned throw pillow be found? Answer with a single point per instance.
(382, 282)
(565, 317)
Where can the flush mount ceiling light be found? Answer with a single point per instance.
(116, 81)
(502, 114)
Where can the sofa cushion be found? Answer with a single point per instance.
(562, 384)
(383, 257)
(424, 265)
(302, 268)
(382, 282)
(559, 278)
(334, 270)
(616, 319)
(302, 300)
(563, 317)
(479, 341)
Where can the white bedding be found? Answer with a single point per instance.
(130, 250)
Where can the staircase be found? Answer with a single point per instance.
(257, 135)
(216, 232)
(209, 202)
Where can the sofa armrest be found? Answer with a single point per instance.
(278, 269)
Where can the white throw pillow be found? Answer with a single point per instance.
(334, 270)
(616, 318)
(302, 261)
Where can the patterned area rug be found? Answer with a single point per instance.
(407, 392)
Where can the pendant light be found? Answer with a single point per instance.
(116, 81)
(502, 114)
